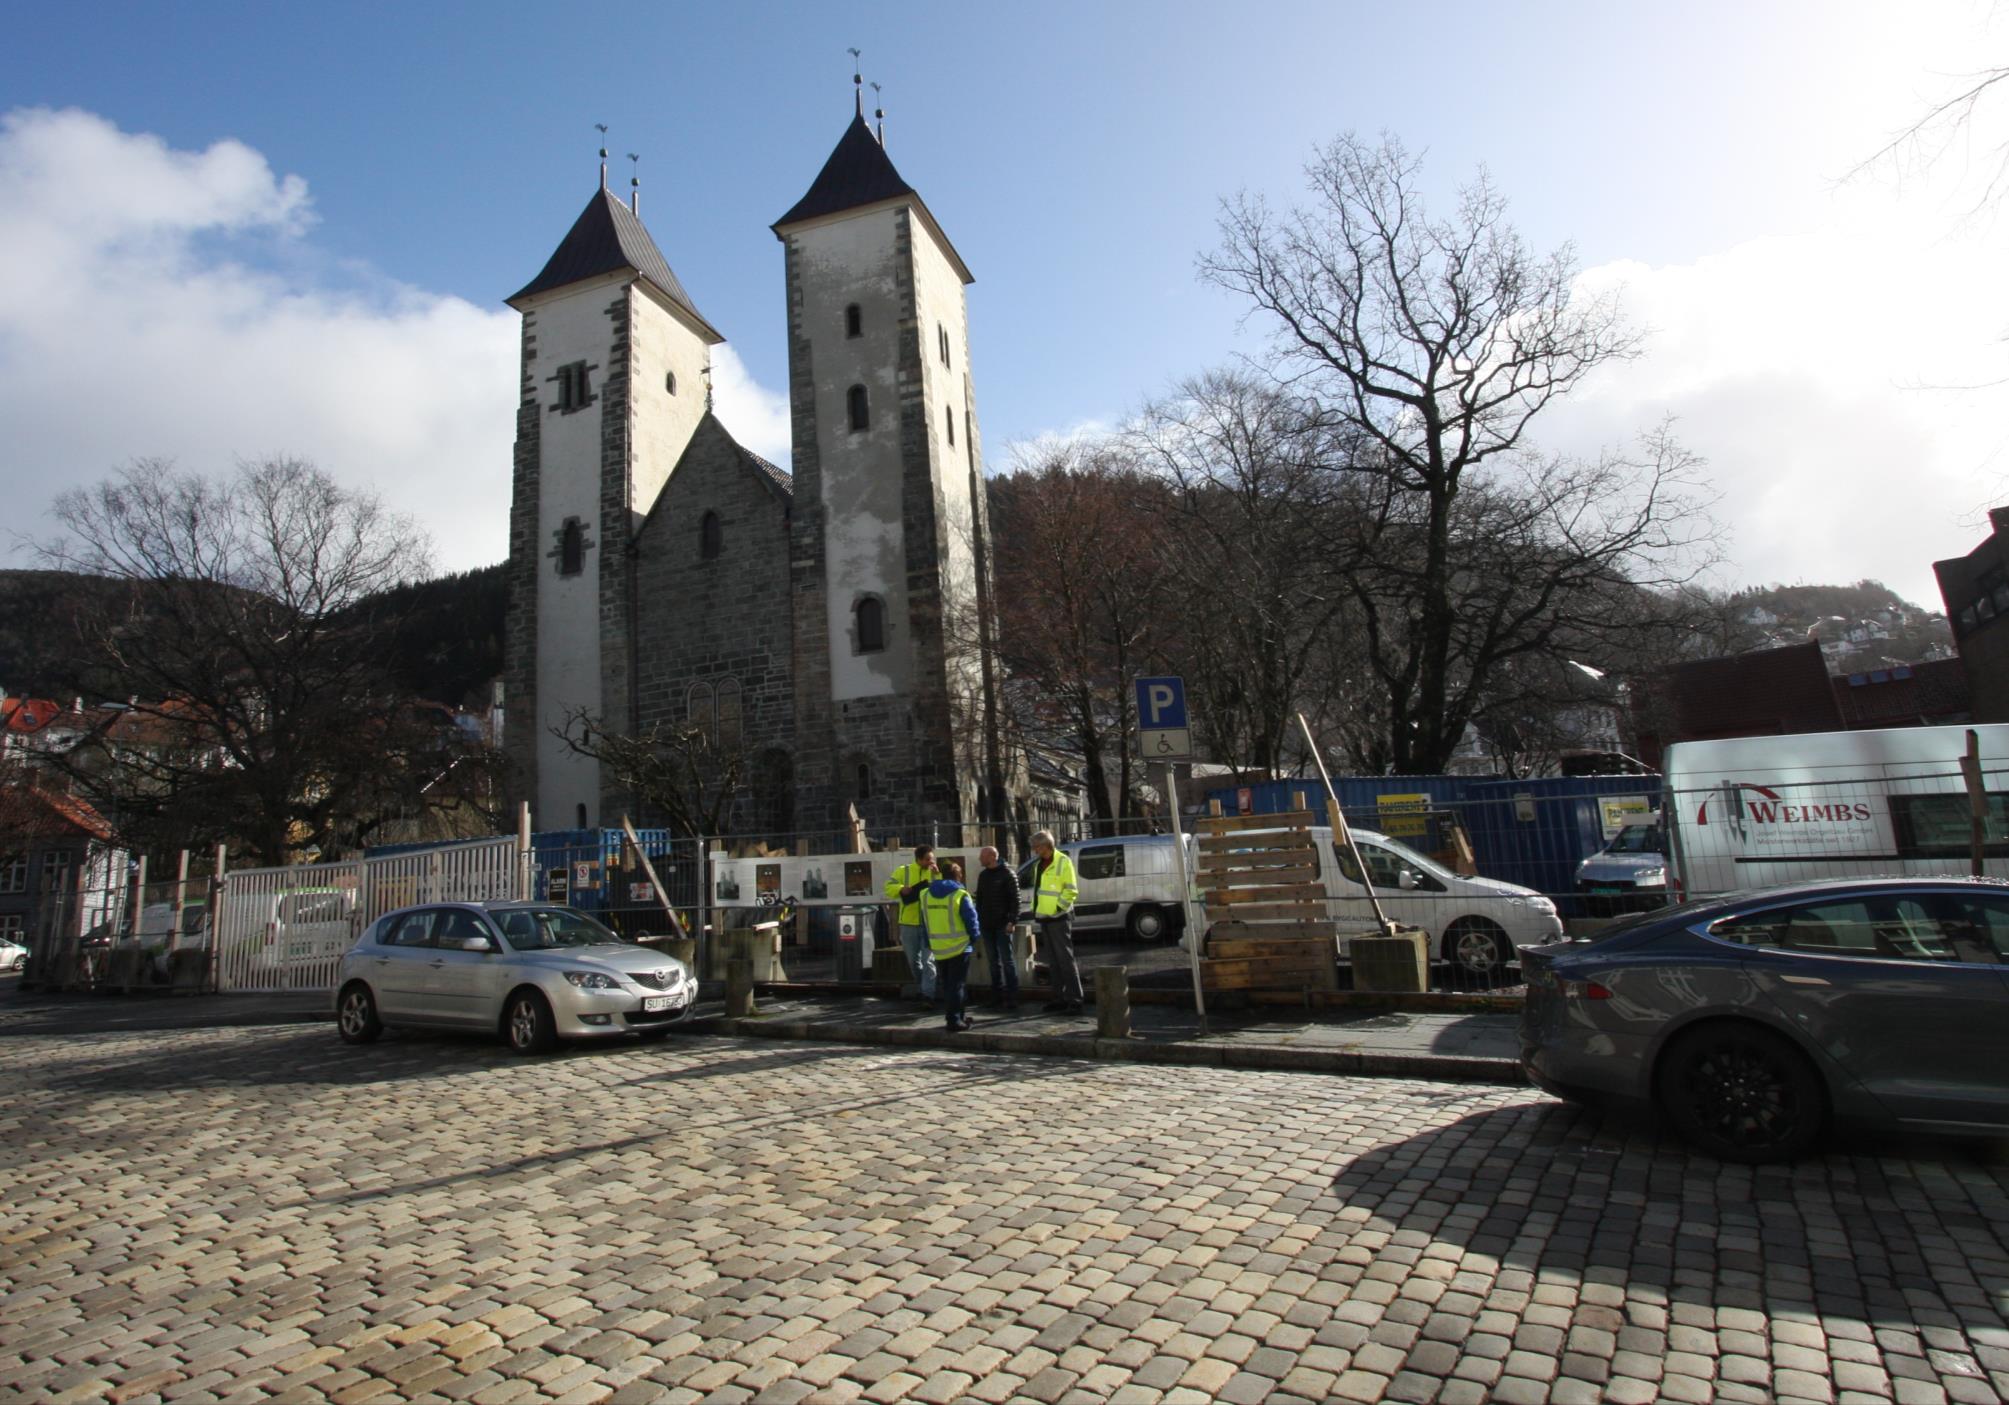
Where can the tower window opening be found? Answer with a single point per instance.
(575, 387)
(581, 816)
(870, 615)
(861, 410)
(728, 713)
(571, 547)
(942, 337)
(949, 416)
(670, 382)
(854, 321)
(864, 780)
(702, 715)
(711, 536)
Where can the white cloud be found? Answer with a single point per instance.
(133, 322)
(1810, 370)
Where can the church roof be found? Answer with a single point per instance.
(859, 172)
(779, 480)
(606, 238)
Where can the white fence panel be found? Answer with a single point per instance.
(482, 870)
(287, 928)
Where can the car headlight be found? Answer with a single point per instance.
(592, 980)
(1535, 901)
(1650, 875)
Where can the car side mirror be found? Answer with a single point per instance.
(476, 944)
(1406, 881)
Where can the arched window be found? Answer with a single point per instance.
(862, 782)
(728, 713)
(854, 321)
(942, 336)
(949, 416)
(870, 615)
(581, 816)
(710, 536)
(861, 410)
(701, 714)
(571, 547)
(670, 381)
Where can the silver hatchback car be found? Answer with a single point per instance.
(534, 973)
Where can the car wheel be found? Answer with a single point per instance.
(528, 1024)
(1148, 924)
(20, 963)
(1478, 951)
(1741, 1093)
(356, 1016)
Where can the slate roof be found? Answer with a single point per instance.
(859, 172)
(779, 480)
(606, 238)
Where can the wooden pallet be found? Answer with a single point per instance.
(1270, 921)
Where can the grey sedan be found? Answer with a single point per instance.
(534, 973)
(1754, 1020)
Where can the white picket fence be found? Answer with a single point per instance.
(288, 928)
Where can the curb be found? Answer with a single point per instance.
(1357, 1063)
(84, 1025)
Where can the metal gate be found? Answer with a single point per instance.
(288, 928)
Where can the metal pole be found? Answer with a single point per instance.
(524, 891)
(1977, 804)
(138, 911)
(216, 919)
(1195, 931)
(180, 900)
(1340, 829)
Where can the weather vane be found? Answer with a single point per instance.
(635, 183)
(857, 82)
(879, 113)
(602, 126)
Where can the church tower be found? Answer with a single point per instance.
(616, 361)
(890, 565)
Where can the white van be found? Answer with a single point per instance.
(1129, 884)
(1749, 812)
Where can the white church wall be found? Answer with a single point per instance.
(571, 326)
(662, 345)
(855, 261)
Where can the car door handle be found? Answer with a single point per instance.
(436, 964)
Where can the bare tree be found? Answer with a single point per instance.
(1080, 591)
(250, 634)
(1430, 346)
(1252, 553)
(690, 772)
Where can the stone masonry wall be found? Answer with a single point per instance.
(519, 686)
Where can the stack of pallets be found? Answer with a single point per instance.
(1270, 926)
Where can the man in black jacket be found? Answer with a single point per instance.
(997, 914)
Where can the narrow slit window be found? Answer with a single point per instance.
(571, 547)
(949, 417)
(728, 713)
(871, 621)
(702, 716)
(864, 780)
(942, 339)
(854, 321)
(861, 410)
(711, 537)
(670, 382)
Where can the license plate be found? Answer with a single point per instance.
(1607, 890)
(657, 1002)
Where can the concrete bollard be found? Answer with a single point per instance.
(739, 987)
(1112, 1002)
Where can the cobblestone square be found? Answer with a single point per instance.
(264, 1213)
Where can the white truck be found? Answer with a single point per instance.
(1751, 812)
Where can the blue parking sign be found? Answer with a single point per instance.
(1161, 704)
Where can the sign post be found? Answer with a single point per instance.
(1196, 932)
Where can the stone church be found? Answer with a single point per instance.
(828, 627)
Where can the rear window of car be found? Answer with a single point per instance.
(1894, 926)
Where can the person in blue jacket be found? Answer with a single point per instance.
(950, 917)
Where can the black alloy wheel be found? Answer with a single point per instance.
(1742, 1093)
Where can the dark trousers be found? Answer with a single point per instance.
(999, 942)
(1056, 936)
(952, 985)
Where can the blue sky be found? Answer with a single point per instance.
(1075, 153)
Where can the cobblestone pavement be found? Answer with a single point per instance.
(262, 1212)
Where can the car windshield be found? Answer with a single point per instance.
(548, 928)
(1636, 839)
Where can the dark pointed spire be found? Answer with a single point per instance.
(606, 238)
(857, 173)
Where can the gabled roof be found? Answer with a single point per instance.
(860, 173)
(607, 238)
(709, 435)
(31, 810)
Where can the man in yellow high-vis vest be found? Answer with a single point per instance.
(1053, 893)
(951, 919)
(905, 887)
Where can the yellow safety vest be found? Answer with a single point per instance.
(1056, 890)
(948, 929)
(906, 876)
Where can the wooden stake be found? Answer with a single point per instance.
(655, 883)
(1977, 804)
(1341, 831)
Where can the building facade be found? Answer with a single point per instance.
(1975, 588)
(828, 630)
